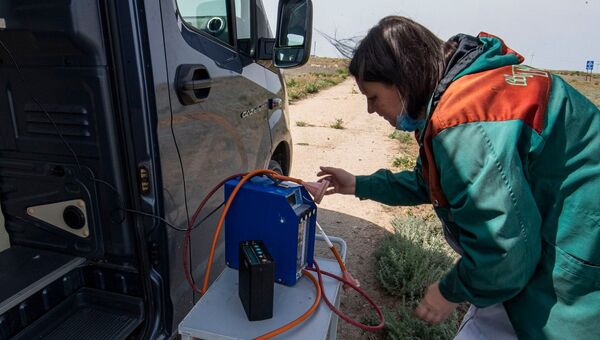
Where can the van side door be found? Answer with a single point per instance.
(215, 124)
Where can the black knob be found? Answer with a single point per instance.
(74, 217)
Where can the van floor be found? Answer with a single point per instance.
(42, 287)
(24, 271)
(88, 314)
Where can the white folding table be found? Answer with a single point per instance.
(220, 315)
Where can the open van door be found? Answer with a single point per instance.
(89, 90)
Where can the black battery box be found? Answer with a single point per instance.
(256, 280)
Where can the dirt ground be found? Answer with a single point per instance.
(318, 65)
(362, 147)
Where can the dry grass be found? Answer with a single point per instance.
(318, 74)
(591, 89)
(318, 65)
(301, 86)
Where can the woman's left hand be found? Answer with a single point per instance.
(434, 308)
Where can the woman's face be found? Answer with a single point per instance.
(383, 99)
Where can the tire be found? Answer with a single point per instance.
(275, 166)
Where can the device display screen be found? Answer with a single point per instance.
(292, 199)
(295, 198)
(250, 254)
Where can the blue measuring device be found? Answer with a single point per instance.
(280, 214)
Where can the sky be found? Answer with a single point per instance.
(550, 34)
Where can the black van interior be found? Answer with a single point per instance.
(72, 270)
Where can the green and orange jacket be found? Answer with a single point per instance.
(510, 159)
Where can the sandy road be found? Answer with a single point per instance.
(361, 148)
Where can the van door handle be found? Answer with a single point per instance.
(275, 103)
(197, 84)
(193, 83)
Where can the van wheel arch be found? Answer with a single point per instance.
(275, 166)
(280, 160)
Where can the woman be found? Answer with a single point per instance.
(510, 159)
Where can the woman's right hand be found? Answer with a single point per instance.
(340, 181)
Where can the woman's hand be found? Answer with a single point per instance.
(434, 308)
(340, 181)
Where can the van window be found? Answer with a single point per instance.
(243, 22)
(209, 16)
(263, 30)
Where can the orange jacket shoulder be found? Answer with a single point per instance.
(514, 92)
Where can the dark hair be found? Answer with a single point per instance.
(404, 53)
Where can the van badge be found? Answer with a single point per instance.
(252, 111)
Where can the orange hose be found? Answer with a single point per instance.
(339, 259)
(302, 317)
(287, 178)
(188, 233)
(213, 245)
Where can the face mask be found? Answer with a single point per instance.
(406, 123)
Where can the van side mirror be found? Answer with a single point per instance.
(265, 49)
(294, 33)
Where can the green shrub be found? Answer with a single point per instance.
(415, 256)
(401, 324)
(301, 123)
(293, 96)
(402, 136)
(342, 72)
(291, 83)
(338, 124)
(408, 261)
(312, 88)
(404, 162)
